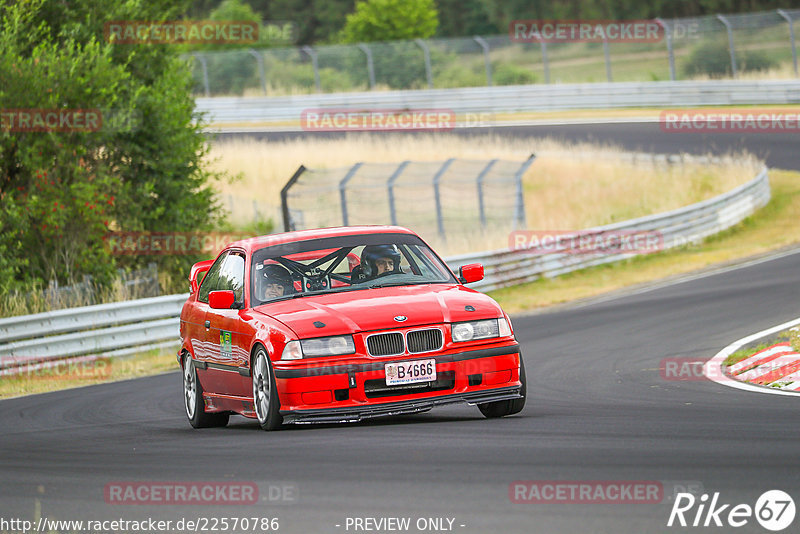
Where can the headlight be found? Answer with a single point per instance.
(472, 330)
(327, 346)
(292, 351)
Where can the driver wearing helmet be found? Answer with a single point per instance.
(273, 282)
(377, 260)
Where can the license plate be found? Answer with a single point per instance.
(410, 372)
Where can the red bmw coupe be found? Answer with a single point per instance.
(341, 324)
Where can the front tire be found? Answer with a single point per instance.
(265, 392)
(193, 399)
(507, 407)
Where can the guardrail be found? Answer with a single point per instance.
(126, 327)
(509, 99)
(682, 226)
(107, 329)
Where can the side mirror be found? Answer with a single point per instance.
(471, 273)
(221, 300)
(199, 270)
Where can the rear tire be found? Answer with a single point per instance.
(265, 392)
(507, 407)
(193, 399)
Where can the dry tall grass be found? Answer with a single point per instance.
(570, 186)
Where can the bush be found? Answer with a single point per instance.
(455, 75)
(510, 74)
(754, 60)
(714, 59)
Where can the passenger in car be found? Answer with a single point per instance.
(275, 281)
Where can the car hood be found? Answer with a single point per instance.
(376, 309)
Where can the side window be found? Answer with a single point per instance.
(210, 281)
(232, 276)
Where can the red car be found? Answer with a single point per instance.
(341, 324)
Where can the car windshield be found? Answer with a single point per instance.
(347, 263)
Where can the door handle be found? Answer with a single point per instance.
(208, 324)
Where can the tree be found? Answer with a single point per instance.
(459, 18)
(318, 21)
(390, 20)
(139, 170)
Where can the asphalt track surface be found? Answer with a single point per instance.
(779, 150)
(598, 409)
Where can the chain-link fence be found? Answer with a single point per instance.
(688, 48)
(444, 199)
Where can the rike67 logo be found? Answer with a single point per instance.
(774, 510)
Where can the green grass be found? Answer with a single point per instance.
(771, 228)
(97, 372)
(743, 354)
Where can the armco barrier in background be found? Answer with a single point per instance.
(126, 327)
(508, 99)
(510, 267)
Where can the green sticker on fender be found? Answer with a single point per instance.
(225, 344)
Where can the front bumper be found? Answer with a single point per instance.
(352, 414)
(357, 390)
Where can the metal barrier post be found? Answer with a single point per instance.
(343, 188)
(390, 189)
(315, 63)
(260, 61)
(730, 44)
(607, 54)
(287, 223)
(545, 62)
(519, 205)
(426, 51)
(370, 65)
(485, 46)
(203, 64)
(789, 19)
(670, 51)
(479, 183)
(436, 179)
